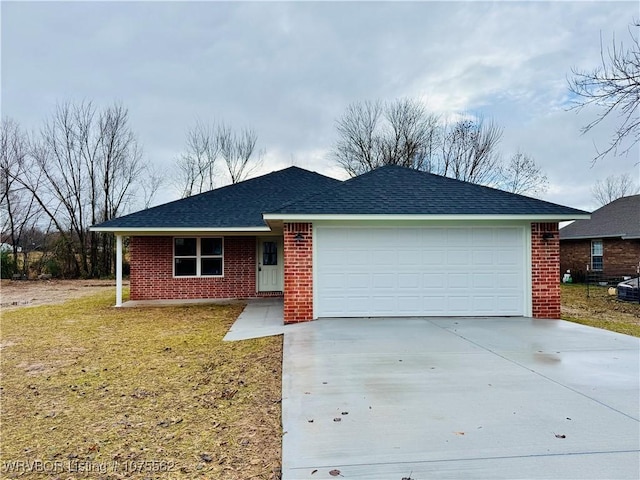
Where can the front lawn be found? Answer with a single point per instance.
(137, 393)
(595, 307)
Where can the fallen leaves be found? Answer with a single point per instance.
(168, 422)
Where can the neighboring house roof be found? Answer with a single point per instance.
(294, 192)
(394, 190)
(620, 218)
(235, 206)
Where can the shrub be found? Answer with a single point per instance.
(7, 265)
(53, 267)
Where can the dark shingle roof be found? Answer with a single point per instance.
(398, 190)
(390, 190)
(238, 205)
(620, 218)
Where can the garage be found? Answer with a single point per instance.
(420, 271)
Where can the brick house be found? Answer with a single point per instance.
(608, 243)
(390, 242)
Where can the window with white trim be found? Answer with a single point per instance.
(198, 257)
(596, 255)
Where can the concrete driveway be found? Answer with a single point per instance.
(459, 398)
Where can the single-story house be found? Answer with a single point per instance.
(390, 242)
(608, 244)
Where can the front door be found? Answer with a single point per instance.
(270, 265)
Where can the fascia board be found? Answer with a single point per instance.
(394, 217)
(589, 237)
(170, 230)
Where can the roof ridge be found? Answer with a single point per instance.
(223, 187)
(237, 204)
(440, 178)
(311, 195)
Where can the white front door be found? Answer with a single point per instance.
(270, 265)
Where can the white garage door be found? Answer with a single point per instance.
(374, 272)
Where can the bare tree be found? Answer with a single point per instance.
(614, 86)
(197, 166)
(614, 187)
(523, 175)
(412, 134)
(359, 146)
(119, 169)
(119, 161)
(372, 134)
(20, 212)
(236, 149)
(470, 152)
(86, 166)
(403, 132)
(154, 180)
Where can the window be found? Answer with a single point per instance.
(197, 257)
(269, 253)
(596, 255)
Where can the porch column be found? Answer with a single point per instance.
(298, 272)
(545, 270)
(118, 270)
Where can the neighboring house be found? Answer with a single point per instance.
(608, 243)
(391, 242)
(7, 247)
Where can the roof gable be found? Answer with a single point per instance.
(395, 190)
(620, 218)
(240, 205)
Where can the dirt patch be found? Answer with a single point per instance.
(28, 293)
(6, 343)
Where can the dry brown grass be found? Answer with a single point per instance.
(599, 309)
(137, 393)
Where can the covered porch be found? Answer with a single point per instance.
(200, 266)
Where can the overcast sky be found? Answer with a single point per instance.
(288, 70)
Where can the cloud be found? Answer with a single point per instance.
(289, 69)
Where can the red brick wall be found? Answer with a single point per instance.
(620, 257)
(298, 273)
(574, 256)
(545, 271)
(152, 271)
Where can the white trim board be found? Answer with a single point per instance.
(420, 217)
(141, 231)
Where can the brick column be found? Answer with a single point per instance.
(545, 270)
(298, 272)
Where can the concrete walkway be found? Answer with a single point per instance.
(459, 398)
(262, 317)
